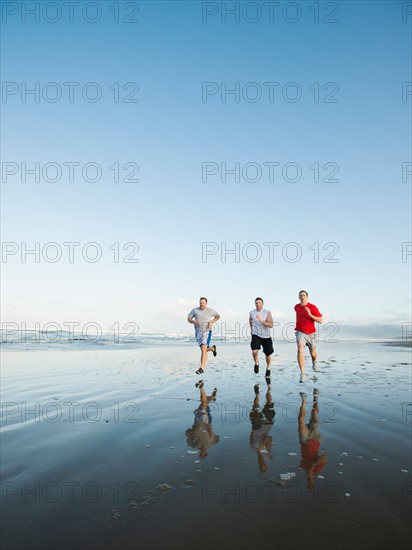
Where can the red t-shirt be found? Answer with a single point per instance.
(303, 322)
(310, 456)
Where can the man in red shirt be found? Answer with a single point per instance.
(306, 316)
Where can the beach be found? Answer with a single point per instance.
(105, 448)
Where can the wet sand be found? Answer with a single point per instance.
(399, 343)
(115, 449)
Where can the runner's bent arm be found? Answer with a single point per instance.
(313, 317)
(269, 321)
(216, 318)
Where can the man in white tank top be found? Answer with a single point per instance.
(261, 322)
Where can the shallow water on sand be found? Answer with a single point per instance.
(114, 449)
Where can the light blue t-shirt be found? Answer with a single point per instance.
(203, 316)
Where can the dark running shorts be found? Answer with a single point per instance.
(264, 343)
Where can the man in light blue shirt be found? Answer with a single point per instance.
(203, 318)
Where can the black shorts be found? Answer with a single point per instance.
(266, 344)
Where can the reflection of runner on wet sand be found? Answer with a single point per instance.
(260, 440)
(310, 439)
(201, 435)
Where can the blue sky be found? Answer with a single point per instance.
(170, 132)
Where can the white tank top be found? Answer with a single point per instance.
(258, 328)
